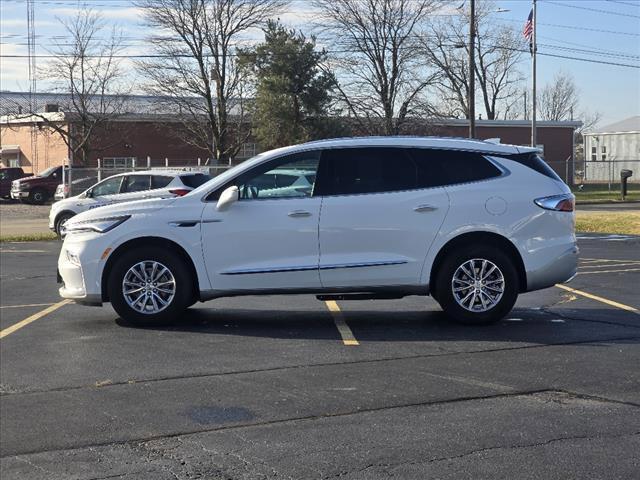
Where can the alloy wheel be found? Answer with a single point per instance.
(148, 287)
(477, 285)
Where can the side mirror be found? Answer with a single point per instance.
(88, 193)
(228, 198)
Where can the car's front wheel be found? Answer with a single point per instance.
(477, 285)
(150, 286)
(61, 220)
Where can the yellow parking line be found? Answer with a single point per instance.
(32, 318)
(341, 324)
(600, 299)
(27, 305)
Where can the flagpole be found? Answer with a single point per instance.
(534, 139)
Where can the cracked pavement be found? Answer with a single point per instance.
(263, 388)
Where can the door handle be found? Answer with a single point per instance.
(425, 208)
(299, 213)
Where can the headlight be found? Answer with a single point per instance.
(100, 225)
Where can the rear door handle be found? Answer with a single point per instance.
(299, 213)
(425, 208)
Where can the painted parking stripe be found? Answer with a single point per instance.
(610, 271)
(344, 330)
(606, 301)
(32, 318)
(599, 260)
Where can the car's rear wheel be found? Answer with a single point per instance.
(38, 196)
(150, 286)
(61, 220)
(477, 285)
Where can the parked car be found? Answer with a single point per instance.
(8, 175)
(471, 223)
(77, 185)
(37, 188)
(125, 187)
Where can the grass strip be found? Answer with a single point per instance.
(32, 237)
(623, 223)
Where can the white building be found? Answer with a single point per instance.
(609, 149)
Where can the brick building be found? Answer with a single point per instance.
(155, 138)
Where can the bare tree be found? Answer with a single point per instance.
(498, 51)
(87, 73)
(558, 99)
(197, 72)
(375, 47)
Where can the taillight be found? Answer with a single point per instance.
(558, 203)
(179, 192)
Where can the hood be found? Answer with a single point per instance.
(136, 207)
(26, 179)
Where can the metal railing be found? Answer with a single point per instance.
(77, 180)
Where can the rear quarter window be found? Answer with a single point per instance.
(194, 181)
(535, 162)
(449, 167)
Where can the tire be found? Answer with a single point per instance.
(489, 304)
(177, 270)
(60, 221)
(38, 196)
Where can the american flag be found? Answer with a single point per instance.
(527, 31)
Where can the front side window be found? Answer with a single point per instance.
(353, 171)
(285, 178)
(137, 183)
(110, 186)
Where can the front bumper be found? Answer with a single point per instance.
(19, 194)
(81, 277)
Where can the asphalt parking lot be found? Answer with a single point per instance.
(291, 387)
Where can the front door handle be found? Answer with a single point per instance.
(425, 208)
(299, 213)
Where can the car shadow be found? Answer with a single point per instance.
(521, 326)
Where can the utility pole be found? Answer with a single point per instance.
(534, 140)
(471, 98)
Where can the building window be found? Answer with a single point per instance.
(593, 150)
(119, 162)
(604, 149)
(594, 158)
(604, 157)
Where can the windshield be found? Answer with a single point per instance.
(47, 172)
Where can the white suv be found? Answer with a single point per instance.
(471, 223)
(125, 187)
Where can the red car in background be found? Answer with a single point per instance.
(8, 175)
(37, 188)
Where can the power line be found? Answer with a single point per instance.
(574, 27)
(625, 3)
(158, 56)
(598, 10)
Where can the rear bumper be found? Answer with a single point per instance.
(561, 266)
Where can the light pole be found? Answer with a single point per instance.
(471, 97)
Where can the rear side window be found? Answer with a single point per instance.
(535, 162)
(160, 181)
(350, 171)
(449, 167)
(194, 181)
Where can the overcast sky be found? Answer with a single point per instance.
(594, 30)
